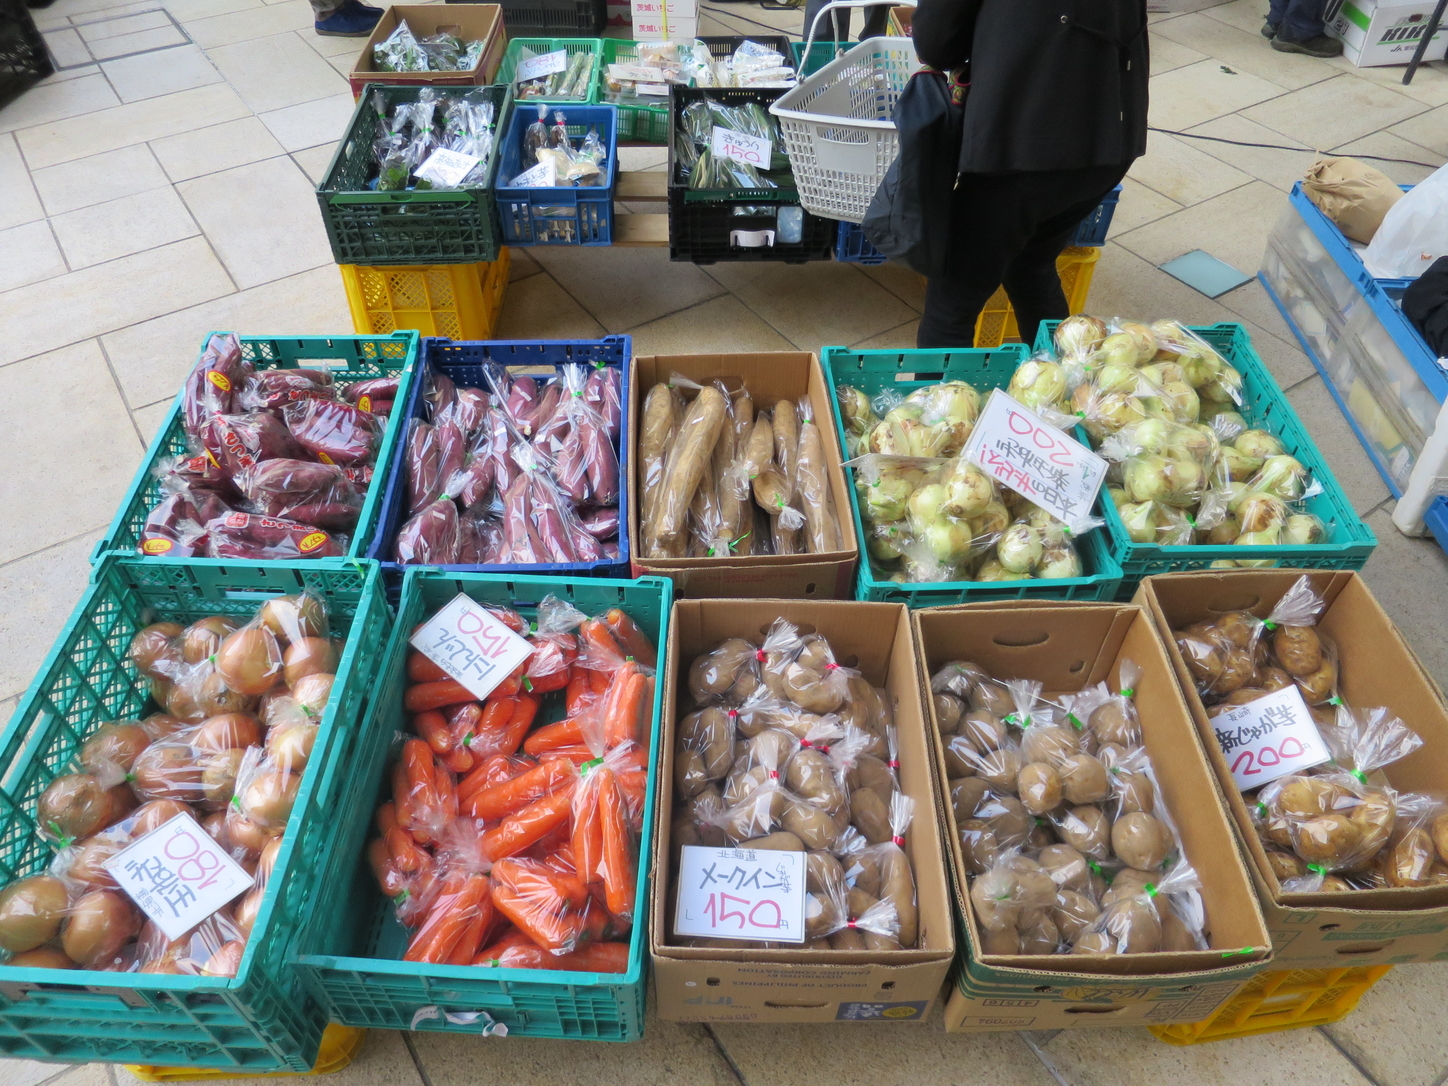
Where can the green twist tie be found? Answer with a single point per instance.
(1334, 701)
(1261, 809)
(1233, 953)
(1318, 869)
(588, 766)
(402, 895)
(1360, 775)
(600, 364)
(1128, 693)
(358, 567)
(1191, 519)
(1081, 414)
(527, 684)
(1151, 890)
(236, 802)
(1096, 867)
(130, 778)
(1269, 624)
(1075, 721)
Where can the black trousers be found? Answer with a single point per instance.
(1007, 230)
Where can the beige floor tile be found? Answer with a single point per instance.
(1245, 51)
(130, 124)
(26, 1072)
(623, 288)
(149, 419)
(99, 178)
(192, 10)
(1428, 130)
(85, 11)
(342, 65)
(311, 123)
(1124, 285)
(1181, 171)
(1138, 206)
(642, 158)
(64, 75)
(277, 71)
(1388, 145)
(1232, 227)
(329, 46)
(151, 358)
(1398, 573)
(93, 301)
(104, 232)
(125, 45)
(29, 254)
(1112, 1057)
(900, 281)
(538, 308)
(1198, 92)
(521, 265)
(220, 147)
(1405, 1005)
(262, 220)
(1280, 169)
(1430, 82)
(1167, 54)
(1330, 113)
(112, 26)
(901, 338)
(163, 72)
(723, 325)
(248, 24)
(51, 102)
(383, 1061)
(19, 202)
(315, 160)
(67, 49)
(52, 22)
(1335, 439)
(1247, 15)
(40, 513)
(817, 303)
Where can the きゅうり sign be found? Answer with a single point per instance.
(742, 147)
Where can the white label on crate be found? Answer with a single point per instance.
(1269, 738)
(741, 147)
(471, 645)
(635, 73)
(542, 176)
(539, 66)
(658, 89)
(446, 169)
(1016, 447)
(741, 893)
(178, 875)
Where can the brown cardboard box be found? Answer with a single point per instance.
(749, 985)
(1069, 646)
(769, 377)
(470, 22)
(1376, 667)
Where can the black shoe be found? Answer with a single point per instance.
(1321, 46)
(1268, 30)
(349, 21)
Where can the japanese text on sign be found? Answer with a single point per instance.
(178, 875)
(742, 147)
(1269, 738)
(466, 641)
(539, 66)
(1019, 449)
(741, 893)
(446, 169)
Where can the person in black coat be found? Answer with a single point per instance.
(1054, 116)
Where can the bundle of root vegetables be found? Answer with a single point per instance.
(511, 844)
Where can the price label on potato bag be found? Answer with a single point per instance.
(741, 893)
(1019, 449)
(1269, 738)
(726, 143)
(539, 66)
(467, 641)
(178, 875)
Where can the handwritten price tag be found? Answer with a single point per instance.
(447, 168)
(635, 73)
(1019, 449)
(1269, 738)
(178, 875)
(466, 641)
(741, 893)
(539, 66)
(726, 143)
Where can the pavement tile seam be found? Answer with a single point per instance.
(1347, 1055)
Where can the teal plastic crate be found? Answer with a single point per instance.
(985, 368)
(347, 358)
(263, 1019)
(351, 955)
(1264, 405)
(539, 46)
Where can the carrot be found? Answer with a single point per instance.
(587, 840)
(528, 826)
(511, 686)
(511, 937)
(526, 956)
(388, 877)
(386, 816)
(579, 691)
(418, 896)
(633, 640)
(535, 878)
(596, 958)
(471, 940)
(550, 928)
(432, 726)
(423, 669)
(567, 732)
(464, 721)
(519, 723)
(424, 803)
(616, 864)
(435, 695)
(406, 856)
(622, 706)
(447, 793)
(448, 920)
(510, 796)
(600, 646)
(575, 754)
(599, 679)
(494, 769)
(458, 760)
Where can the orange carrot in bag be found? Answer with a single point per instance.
(530, 825)
(423, 669)
(406, 856)
(510, 937)
(631, 639)
(519, 723)
(386, 816)
(547, 921)
(448, 920)
(622, 706)
(616, 864)
(471, 940)
(600, 648)
(567, 732)
(494, 769)
(435, 695)
(432, 726)
(596, 958)
(587, 840)
(577, 755)
(510, 796)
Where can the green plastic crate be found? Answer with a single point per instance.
(351, 955)
(262, 1019)
(347, 358)
(428, 226)
(636, 123)
(1263, 404)
(539, 46)
(985, 368)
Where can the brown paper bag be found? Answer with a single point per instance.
(1351, 194)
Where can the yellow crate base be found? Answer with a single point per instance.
(1280, 1000)
(340, 1045)
(1076, 265)
(458, 301)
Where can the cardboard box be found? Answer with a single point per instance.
(769, 377)
(750, 985)
(1069, 646)
(1376, 667)
(470, 22)
(1380, 32)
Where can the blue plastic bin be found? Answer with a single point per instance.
(558, 215)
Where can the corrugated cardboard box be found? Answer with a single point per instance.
(769, 377)
(751, 985)
(1376, 667)
(470, 22)
(1069, 646)
(1379, 32)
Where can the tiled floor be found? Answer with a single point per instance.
(159, 186)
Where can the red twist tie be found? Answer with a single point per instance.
(899, 841)
(759, 655)
(774, 774)
(893, 763)
(732, 714)
(831, 667)
(851, 924)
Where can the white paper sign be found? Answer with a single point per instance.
(1269, 738)
(447, 168)
(741, 893)
(658, 90)
(538, 67)
(542, 176)
(1019, 449)
(471, 645)
(178, 875)
(635, 73)
(741, 147)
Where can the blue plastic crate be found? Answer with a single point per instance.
(558, 215)
(1094, 226)
(1436, 518)
(463, 363)
(852, 247)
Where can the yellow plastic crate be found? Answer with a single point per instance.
(458, 301)
(1076, 265)
(340, 1045)
(1277, 1000)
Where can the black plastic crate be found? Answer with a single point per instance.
(703, 233)
(24, 61)
(552, 18)
(679, 98)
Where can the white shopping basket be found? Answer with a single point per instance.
(837, 124)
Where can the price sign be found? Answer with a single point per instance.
(635, 73)
(1019, 449)
(539, 66)
(741, 893)
(1269, 738)
(471, 645)
(658, 90)
(447, 169)
(542, 176)
(178, 875)
(726, 143)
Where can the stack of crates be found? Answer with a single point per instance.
(1280, 1000)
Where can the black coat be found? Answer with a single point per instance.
(1054, 84)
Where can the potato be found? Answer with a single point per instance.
(1000, 769)
(308, 656)
(1140, 840)
(965, 797)
(1439, 832)
(169, 771)
(1175, 937)
(1008, 817)
(1376, 815)
(1133, 791)
(713, 673)
(291, 747)
(978, 844)
(44, 957)
(1238, 627)
(1083, 779)
(1038, 931)
(1066, 866)
(961, 758)
(811, 825)
(1327, 839)
(1204, 659)
(1007, 941)
(1272, 679)
(844, 939)
(948, 711)
(73, 806)
(1049, 743)
(268, 796)
(690, 777)
(1034, 887)
(982, 730)
(817, 690)
(1094, 942)
(313, 692)
(1113, 723)
(993, 698)
(1073, 913)
(1410, 861)
(1285, 865)
(227, 732)
(1298, 649)
(1086, 829)
(155, 814)
(292, 617)
(874, 774)
(1133, 924)
(1039, 788)
(155, 650)
(870, 815)
(994, 896)
(30, 912)
(897, 886)
(1318, 687)
(1237, 667)
(99, 925)
(203, 638)
(1307, 797)
(809, 774)
(113, 746)
(250, 661)
(1128, 882)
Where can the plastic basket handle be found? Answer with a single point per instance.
(844, 156)
(836, 4)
